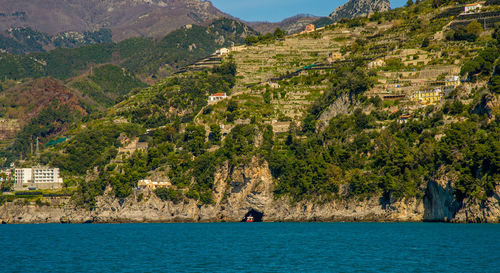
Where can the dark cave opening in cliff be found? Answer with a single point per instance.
(253, 216)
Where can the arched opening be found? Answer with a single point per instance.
(253, 216)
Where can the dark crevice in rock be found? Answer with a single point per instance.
(257, 216)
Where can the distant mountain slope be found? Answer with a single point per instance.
(22, 40)
(143, 56)
(126, 18)
(356, 8)
(291, 25)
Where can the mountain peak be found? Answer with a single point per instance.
(356, 8)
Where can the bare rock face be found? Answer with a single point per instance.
(439, 202)
(126, 18)
(341, 106)
(356, 8)
(474, 211)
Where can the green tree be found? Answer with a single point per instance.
(474, 28)
(194, 139)
(215, 134)
(425, 42)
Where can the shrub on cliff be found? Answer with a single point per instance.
(168, 194)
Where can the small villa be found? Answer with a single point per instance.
(376, 63)
(222, 51)
(404, 119)
(309, 28)
(216, 97)
(273, 84)
(472, 8)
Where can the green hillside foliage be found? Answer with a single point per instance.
(46, 125)
(106, 84)
(186, 94)
(138, 55)
(90, 148)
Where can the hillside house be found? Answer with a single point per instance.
(376, 63)
(472, 8)
(403, 119)
(152, 185)
(216, 97)
(334, 56)
(222, 51)
(274, 85)
(428, 97)
(309, 28)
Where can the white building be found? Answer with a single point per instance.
(216, 97)
(23, 176)
(472, 8)
(222, 51)
(153, 185)
(37, 178)
(376, 63)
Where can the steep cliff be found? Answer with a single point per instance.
(250, 189)
(237, 191)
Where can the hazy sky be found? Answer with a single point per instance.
(277, 10)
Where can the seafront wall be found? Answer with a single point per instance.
(250, 190)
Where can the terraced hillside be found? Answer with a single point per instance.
(396, 113)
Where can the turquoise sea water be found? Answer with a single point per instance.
(251, 247)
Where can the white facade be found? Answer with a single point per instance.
(222, 51)
(37, 175)
(23, 176)
(472, 8)
(217, 97)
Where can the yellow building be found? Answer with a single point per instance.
(452, 81)
(428, 97)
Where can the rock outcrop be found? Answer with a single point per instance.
(356, 8)
(249, 188)
(291, 25)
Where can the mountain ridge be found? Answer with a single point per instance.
(126, 18)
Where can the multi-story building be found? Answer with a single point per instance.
(427, 97)
(451, 83)
(37, 178)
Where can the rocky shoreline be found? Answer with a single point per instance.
(250, 190)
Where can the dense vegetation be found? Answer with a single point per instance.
(186, 94)
(105, 85)
(49, 123)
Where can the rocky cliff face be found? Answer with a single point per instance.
(249, 189)
(356, 8)
(126, 18)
